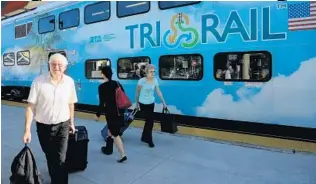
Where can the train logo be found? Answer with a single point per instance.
(180, 33)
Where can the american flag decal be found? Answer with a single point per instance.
(302, 16)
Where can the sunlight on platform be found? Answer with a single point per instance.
(175, 159)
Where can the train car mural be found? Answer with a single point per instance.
(223, 62)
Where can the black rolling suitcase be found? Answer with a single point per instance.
(77, 153)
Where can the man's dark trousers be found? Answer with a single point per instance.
(54, 142)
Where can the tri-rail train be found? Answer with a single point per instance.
(239, 66)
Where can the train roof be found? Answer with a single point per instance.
(31, 9)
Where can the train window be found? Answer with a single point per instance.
(163, 5)
(20, 31)
(23, 57)
(93, 68)
(23, 30)
(28, 27)
(97, 12)
(132, 67)
(243, 66)
(129, 8)
(181, 67)
(8, 59)
(46, 24)
(69, 19)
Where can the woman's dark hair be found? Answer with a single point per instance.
(107, 72)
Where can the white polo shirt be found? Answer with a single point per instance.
(52, 101)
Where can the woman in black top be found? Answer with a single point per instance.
(113, 115)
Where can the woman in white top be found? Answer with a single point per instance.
(145, 100)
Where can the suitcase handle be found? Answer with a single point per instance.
(76, 134)
(133, 113)
(165, 111)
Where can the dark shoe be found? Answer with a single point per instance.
(122, 159)
(150, 143)
(108, 149)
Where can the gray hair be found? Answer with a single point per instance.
(58, 57)
(149, 66)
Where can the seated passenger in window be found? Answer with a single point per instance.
(264, 74)
(228, 72)
(219, 73)
(137, 74)
(142, 71)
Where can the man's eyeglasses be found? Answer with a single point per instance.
(57, 64)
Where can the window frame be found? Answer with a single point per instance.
(245, 52)
(117, 66)
(84, 12)
(177, 6)
(89, 60)
(174, 55)
(17, 63)
(27, 30)
(129, 15)
(14, 61)
(38, 24)
(75, 9)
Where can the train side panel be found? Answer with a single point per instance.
(21, 56)
(234, 61)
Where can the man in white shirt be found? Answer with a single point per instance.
(52, 98)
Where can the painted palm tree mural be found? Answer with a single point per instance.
(30, 60)
(43, 44)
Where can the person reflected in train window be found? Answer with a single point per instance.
(114, 116)
(137, 75)
(219, 74)
(145, 100)
(52, 97)
(237, 72)
(142, 71)
(228, 72)
(264, 74)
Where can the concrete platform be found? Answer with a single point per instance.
(174, 160)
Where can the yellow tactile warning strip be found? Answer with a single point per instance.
(214, 134)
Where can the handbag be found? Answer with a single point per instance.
(168, 123)
(122, 100)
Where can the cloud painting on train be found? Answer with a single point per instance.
(248, 61)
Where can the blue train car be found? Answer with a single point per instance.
(241, 66)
